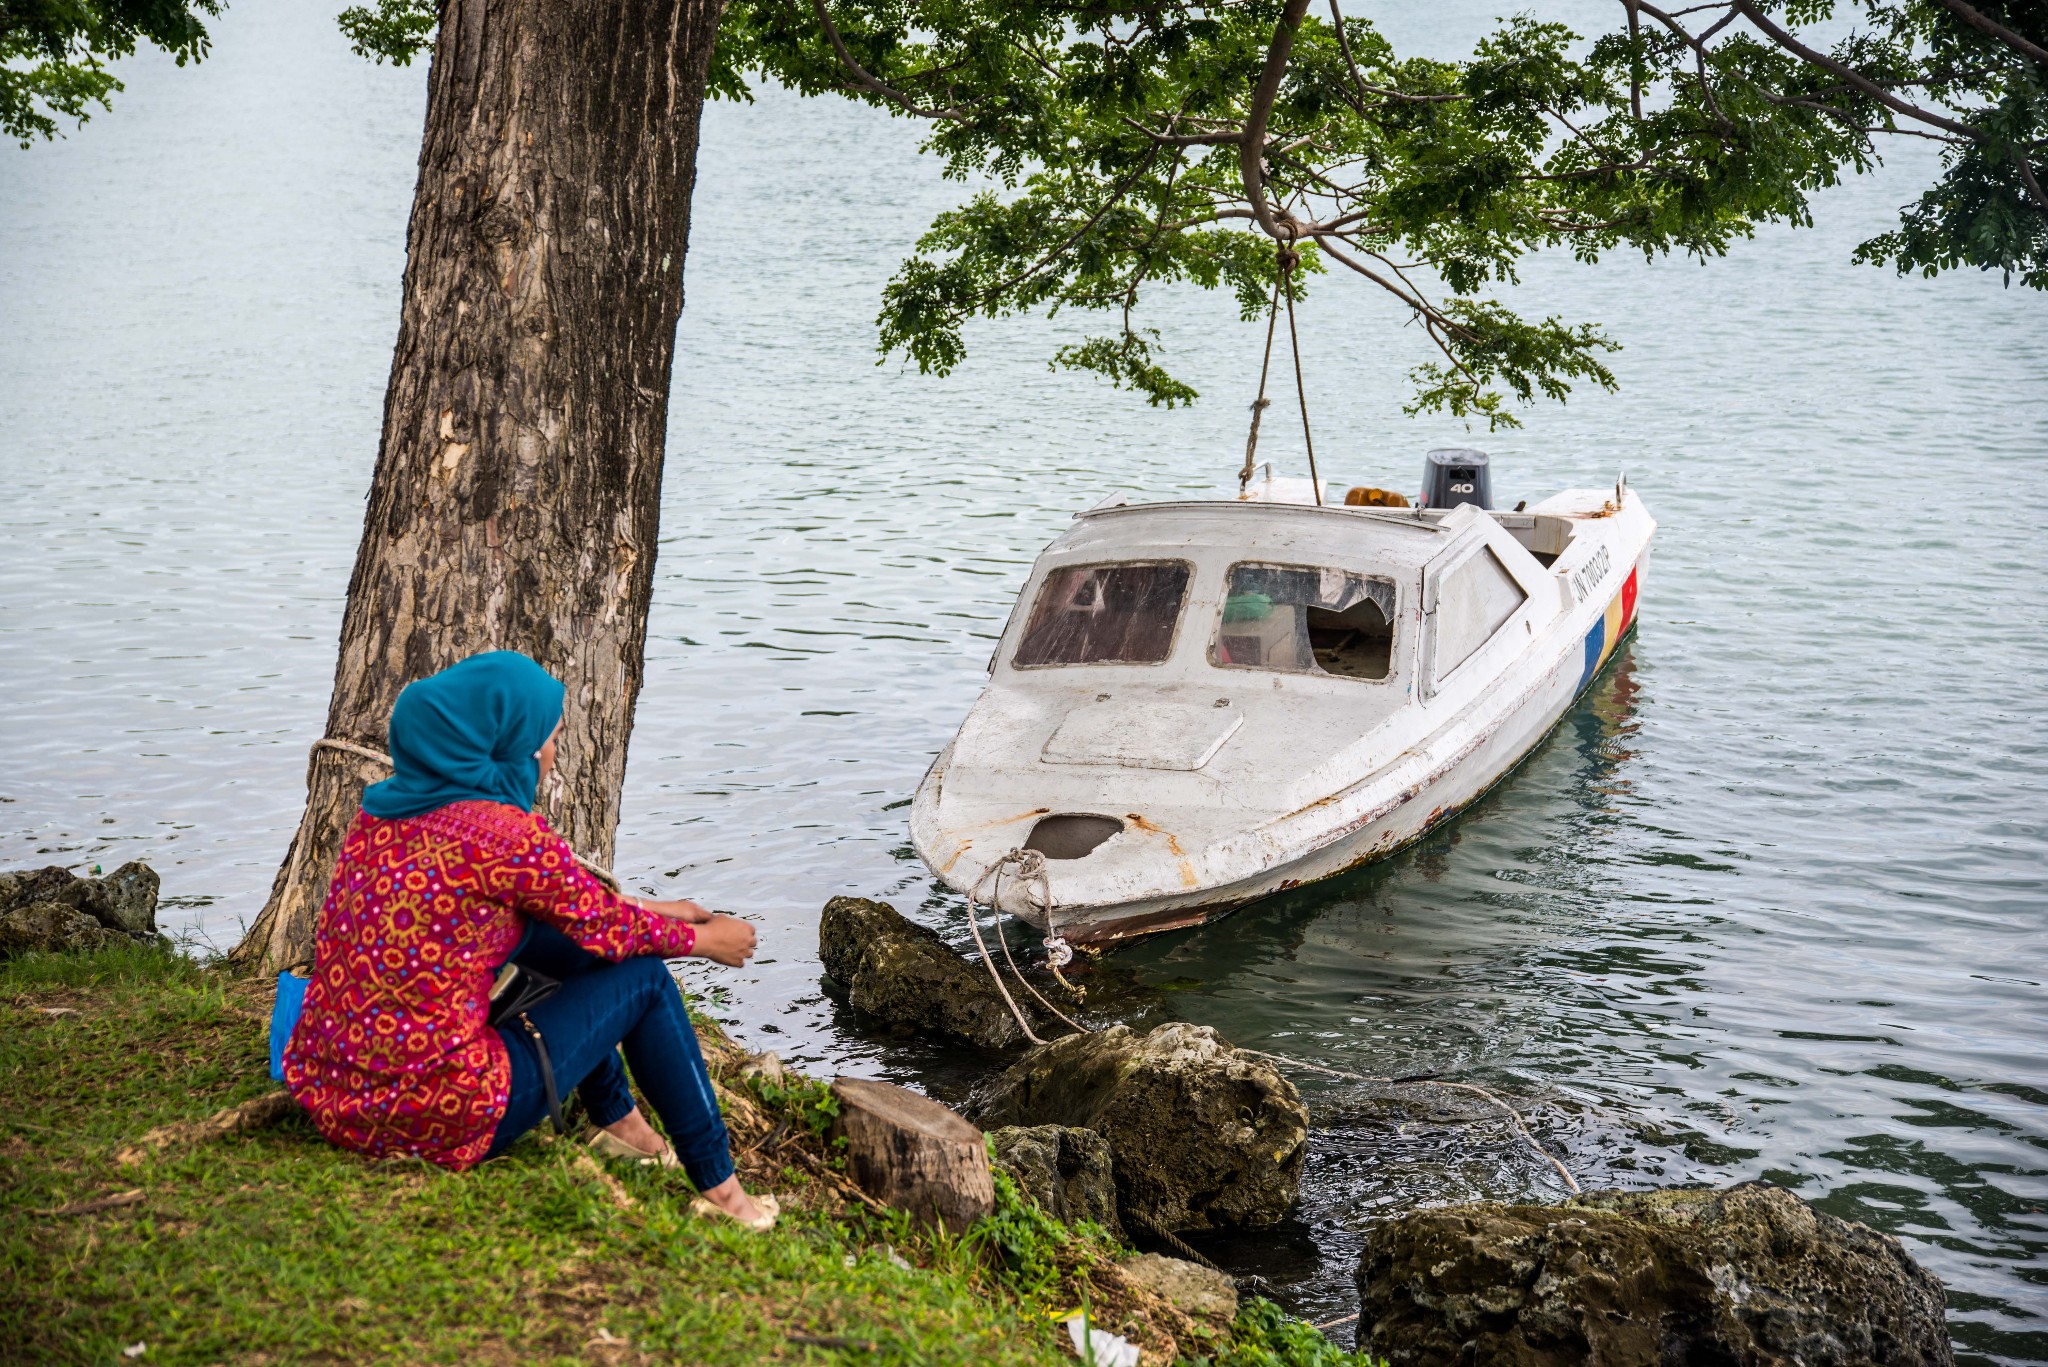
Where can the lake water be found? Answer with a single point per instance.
(1770, 903)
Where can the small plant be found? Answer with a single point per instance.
(1032, 1252)
(804, 1101)
(1265, 1336)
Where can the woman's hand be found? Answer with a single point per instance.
(682, 910)
(726, 940)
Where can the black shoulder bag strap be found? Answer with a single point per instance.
(517, 990)
(547, 1073)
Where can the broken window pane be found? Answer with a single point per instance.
(1307, 620)
(1105, 614)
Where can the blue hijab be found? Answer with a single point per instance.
(468, 733)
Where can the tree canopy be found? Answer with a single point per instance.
(54, 54)
(1123, 146)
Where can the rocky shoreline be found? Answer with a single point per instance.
(1118, 1133)
(1174, 1130)
(56, 911)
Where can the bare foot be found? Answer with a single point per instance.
(634, 1129)
(730, 1197)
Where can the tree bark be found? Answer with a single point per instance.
(910, 1152)
(518, 477)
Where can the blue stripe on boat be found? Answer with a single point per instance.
(1596, 641)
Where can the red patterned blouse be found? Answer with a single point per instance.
(392, 1053)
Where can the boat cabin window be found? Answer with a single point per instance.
(1306, 620)
(1105, 614)
(1475, 600)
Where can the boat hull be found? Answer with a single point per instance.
(1418, 812)
(1200, 835)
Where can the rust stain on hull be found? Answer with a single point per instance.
(1173, 846)
(1150, 828)
(1178, 918)
(967, 845)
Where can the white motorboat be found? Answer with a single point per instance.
(1197, 704)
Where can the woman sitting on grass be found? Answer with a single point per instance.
(445, 875)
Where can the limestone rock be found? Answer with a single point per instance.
(1750, 1276)
(52, 927)
(124, 900)
(20, 887)
(1201, 1136)
(1195, 1289)
(1068, 1172)
(907, 977)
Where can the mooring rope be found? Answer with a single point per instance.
(1262, 403)
(988, 960)
(1286, 258)
(1029, 865)
(1289, 259)
(1172, 1241)
(1514, 1116)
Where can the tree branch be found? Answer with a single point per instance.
(1814, 57)
(1990, 27)
(1186, 139)
(1434, 324)
(867, 79)
(1358, 78)
(1116, 195)
(2033, 182)
(1251, 153)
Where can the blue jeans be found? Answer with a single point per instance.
(601, 1006)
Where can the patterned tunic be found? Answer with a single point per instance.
(392, 1054)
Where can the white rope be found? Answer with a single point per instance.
(1514, 1116)
(988, 960)
(1058, 953)
(1030, 866)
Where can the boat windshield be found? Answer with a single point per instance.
(1105, 614)
(1306, 620)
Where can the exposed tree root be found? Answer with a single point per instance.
(256, 1113)
(585, 1165)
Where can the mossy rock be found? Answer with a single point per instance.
(907, 978)
(1203, 1136)
(1750, 1276)
(123, 902)
(50, 928)
(1069, 1172)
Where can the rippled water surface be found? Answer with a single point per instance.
(1770, 902)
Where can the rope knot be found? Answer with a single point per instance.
(1287, 259)
(1029, 866)
(1026, 863)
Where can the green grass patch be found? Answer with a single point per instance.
(274, 1247)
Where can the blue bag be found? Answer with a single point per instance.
(284, 1015)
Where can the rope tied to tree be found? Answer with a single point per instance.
(1262, 403)
(1286, 258)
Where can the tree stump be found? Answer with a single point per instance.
(910, 1152)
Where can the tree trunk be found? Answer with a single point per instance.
(518, 479)
(910, 1152)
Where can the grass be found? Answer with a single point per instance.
(270, 1246)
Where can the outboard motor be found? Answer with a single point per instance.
(1452, 475)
